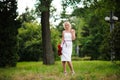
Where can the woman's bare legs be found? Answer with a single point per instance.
(71, 66)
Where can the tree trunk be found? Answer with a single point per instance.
(48, 56)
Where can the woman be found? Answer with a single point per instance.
(68, 35)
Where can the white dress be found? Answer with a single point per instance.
(66, 47)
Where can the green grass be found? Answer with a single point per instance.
(85, 70)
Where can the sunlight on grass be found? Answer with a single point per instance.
(85, 70)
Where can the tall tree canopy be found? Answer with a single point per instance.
(8, 32)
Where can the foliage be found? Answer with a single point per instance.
(30, 42)
(8, 32)
(28, 16)
(86, 58)
(30, 46)
(111, 5)
(55, 41)
(89, 33)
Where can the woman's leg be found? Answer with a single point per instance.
(64, 66)
(71, 66)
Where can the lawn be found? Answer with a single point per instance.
(85, 70)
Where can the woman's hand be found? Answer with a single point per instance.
(72, 31)
(73, 34)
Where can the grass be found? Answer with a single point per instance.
(85, 70)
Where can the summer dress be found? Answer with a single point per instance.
(66, 47)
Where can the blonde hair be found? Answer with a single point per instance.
(67, 22)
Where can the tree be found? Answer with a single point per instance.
(44, 8)
(92, 28)
(29, 37)
(8, 32)
(28, 16)
(29, 42)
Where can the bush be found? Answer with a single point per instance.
(31, 53)
(29, 42)
(81, 58)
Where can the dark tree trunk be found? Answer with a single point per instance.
(48, 56)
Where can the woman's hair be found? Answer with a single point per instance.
(66, 22)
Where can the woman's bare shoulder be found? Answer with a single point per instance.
(63, 31)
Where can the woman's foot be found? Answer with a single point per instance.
(73, 72)
(65, 73)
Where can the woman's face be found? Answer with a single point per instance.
(67, 26)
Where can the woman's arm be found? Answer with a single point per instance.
(62, 38)
(73, 34)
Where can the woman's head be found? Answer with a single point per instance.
(67, 25)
